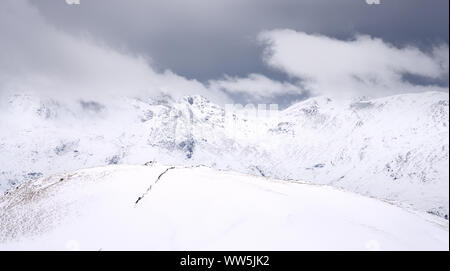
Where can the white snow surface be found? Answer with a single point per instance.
(199, 208)
(393, 148)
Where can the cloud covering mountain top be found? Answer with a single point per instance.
(361, 66)
(205, 39)
(42, 58)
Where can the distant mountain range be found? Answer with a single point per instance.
(394, 148)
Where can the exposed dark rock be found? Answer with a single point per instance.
(92, 106)
(113, 160)
(187, 146)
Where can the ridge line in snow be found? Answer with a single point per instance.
(150, 187)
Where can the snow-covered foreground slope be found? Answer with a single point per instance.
(158, 207)
(394, 148)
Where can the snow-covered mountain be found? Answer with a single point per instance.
(158, 207)
(393, 148)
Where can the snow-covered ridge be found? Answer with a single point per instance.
(393, 148)
(158, 207)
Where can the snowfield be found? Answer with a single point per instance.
(393, 148)
(157, 207)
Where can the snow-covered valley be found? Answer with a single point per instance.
(224, 125)
(159, 207)
(393, 148)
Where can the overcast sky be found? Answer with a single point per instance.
(204, 39)
(272, 48)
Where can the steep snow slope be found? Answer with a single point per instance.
(393, 148)
(166, 208)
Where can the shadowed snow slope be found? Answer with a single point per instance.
(161, 208)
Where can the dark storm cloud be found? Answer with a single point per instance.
(37, 58)
(242, 51)
(205, 39)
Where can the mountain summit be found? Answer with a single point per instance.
(393, 148)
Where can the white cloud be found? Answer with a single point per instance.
(37, 57)
(255, 85)
(363, 66)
